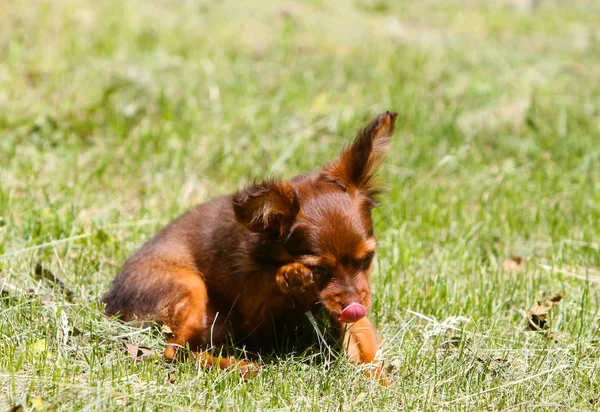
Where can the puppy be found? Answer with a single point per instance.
(241, 266)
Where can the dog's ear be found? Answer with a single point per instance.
(356, 166)
(268, 207)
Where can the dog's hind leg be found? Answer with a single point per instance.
(187, 318)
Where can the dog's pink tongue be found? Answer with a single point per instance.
(353, 313)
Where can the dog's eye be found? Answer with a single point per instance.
(322, 271)
(366, 262)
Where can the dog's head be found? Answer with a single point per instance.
(323, 220)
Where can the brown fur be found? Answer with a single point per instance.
(230, 267)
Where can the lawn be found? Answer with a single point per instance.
(116, 117)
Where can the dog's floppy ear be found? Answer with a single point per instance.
(356, 166)
(268, 207)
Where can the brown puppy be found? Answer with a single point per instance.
(275, 250)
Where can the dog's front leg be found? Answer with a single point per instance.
(360, 344)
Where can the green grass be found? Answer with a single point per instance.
(116, 117)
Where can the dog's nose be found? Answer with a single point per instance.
(353, 313)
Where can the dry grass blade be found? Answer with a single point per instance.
(16, 252)
(588, 277)
(507, 385)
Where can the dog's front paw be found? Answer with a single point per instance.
(293, 277)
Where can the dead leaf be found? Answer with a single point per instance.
(42, 273)
(139, 353)
(17, 408)
(166, 330)
(538, 314)
(38, 403)
(514, 264)
(39, 346)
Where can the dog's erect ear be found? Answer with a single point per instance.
(356, 166)
(268, 207)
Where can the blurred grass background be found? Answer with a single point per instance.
(116, 117)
